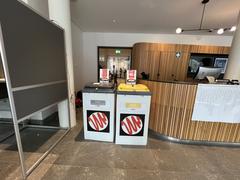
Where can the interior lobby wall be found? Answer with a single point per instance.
(77, 37)
(40, 5)
(92, 40)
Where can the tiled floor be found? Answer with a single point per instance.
(35, 142)
(6, 129)
(75, 158)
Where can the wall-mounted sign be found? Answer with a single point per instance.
(131, 77)
(178, 55)
(217, 103)
(104, 75)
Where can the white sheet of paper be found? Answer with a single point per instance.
(217, 103)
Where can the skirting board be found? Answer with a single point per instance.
(191, 142)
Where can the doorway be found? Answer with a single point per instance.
(116, 59)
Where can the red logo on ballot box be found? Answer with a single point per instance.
(132, 125)
(98, 121)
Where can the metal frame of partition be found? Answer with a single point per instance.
(26, 172)
(11, 100)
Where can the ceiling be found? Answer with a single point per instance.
(151, 16)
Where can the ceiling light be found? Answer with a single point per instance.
(220, 31)
(233, 28)
(178, 30)
(114, 21)
(207, 30)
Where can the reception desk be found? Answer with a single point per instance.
(171, 116)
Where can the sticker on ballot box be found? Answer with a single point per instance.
(133, 105)
(98, 121)
(104, 75)
(131, 77)
(132, 124)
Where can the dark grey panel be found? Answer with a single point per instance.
(31, 100)
(34, 47)
(1, 68)
(3, 90)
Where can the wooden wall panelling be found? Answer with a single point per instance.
(135, 58)
(154, 61)
(152, 87)
(148, 62)
(171, 112)
(143, 63)
(172, 68)
(168, 68)
(209, 49)
(181, 66)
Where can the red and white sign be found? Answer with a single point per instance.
(131, 77)
(132, 125)
(98, 121)
(104, 75)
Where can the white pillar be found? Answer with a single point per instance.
(59, 12)
(63, 114)
(26, 1)
(233, 67)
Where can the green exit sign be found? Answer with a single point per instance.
(118, 51)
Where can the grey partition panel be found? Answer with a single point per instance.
(31, 100)
(1, 68)
(35, 48)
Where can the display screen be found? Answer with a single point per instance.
(206, 60)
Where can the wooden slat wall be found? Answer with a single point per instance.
(171, 112)
(154, 58)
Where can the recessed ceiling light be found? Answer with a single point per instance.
(178, 30)
(233, 28)
(114, 21)
(220, 31)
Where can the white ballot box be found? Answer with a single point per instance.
(99, 112)
(132, 114)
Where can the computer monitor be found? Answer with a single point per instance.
(203, 72)
(206, 60)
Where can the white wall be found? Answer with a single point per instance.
(88, 64)
(40, 6)
(77, 56)
(59, 12)
(25, 1)
(44, 114)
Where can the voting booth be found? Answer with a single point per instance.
(132, 114)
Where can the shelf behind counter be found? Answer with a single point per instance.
(171, 112)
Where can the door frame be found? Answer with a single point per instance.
(111, 47)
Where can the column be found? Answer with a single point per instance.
(59, 12)
(26, 1)
(233, 67)
(63, 114)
